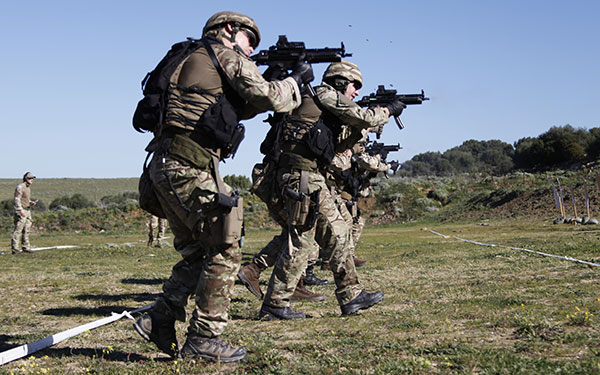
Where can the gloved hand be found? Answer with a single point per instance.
(274, 73)
(302, 73)
(396, 107)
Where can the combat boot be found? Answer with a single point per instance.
(302, 293)
(363, 301)
(359, 262)
(27, 250)
(249, 276)
(312, 279)
(160, 329)
(211, 349)
(283, 313)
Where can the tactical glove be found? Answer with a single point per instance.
(274, 73)
(302, 73)
(396, 107)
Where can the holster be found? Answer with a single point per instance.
(301, 206)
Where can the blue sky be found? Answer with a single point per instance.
(493, 70)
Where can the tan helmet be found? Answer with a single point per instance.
(221, 18)
(344, 69)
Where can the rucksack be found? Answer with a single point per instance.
(150, 110)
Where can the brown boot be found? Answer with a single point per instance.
(211, 349)
(302, 293)
(249, 276)
(359, 262)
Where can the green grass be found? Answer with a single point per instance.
(450, 307)
(48, 189)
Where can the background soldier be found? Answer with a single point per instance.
(219, 80)
(156, 231)
(308, 147)
(22, 203)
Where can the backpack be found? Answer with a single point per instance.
(150, 110)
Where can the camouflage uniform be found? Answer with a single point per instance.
(294, 161)
(156, 230)
(184, 178)
(364, 163)
(22, 203)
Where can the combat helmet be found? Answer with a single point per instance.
(345, 70)
(237, 19)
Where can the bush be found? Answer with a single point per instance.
(75, 202)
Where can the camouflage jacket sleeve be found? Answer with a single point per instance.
(371, 163)
(341, 162)
(18, 195)
(245, 78)
(348, 111)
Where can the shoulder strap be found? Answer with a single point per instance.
(213, 57)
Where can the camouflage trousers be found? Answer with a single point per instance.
(20, 235)
(293, 259)
(358, 224)
(268, 255)
(208, 268)
(156, 229)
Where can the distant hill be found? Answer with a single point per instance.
(48, 189)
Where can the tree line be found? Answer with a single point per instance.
(559, 147)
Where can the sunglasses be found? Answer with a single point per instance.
(251, 37)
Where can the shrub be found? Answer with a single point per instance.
(75, 202)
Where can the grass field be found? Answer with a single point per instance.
(450, 307)
(48, 189)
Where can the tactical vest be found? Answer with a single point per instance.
(202, 106)
(307, 134)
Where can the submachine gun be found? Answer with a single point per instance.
(284, 55)
(383, 96)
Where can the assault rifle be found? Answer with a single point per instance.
(284, 55)
(383, 96)
(377, 148)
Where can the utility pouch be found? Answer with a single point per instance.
(185, 148)
(148, 199)
(264, 183)
(320, 142)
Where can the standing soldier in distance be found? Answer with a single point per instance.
(184, 172)
(22, 203)
(156, 230)
(299, 167)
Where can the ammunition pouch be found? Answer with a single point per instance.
(219, 123)
(320, 142)
(148, 199)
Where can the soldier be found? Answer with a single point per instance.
(218, 80)
(156, 231)
(308, 146)
(353, 182)
(22, 203)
